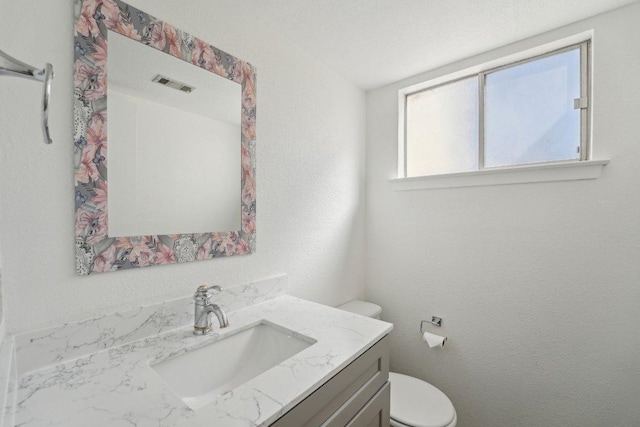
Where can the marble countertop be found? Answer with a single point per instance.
(117, 387)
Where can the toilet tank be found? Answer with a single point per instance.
(363, 308)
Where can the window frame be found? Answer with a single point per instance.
(584, 44)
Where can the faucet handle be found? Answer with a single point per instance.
(203, 294)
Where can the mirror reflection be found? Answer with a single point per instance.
(174, 144)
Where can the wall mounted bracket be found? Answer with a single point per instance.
(435, 321)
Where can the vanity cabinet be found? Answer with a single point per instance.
(357, 396)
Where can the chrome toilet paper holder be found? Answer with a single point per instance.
(435, 321)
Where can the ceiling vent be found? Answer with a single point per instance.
(166, 81)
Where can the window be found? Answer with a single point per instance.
(528, 112)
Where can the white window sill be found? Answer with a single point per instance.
(568, 171)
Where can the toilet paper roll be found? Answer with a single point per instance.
(434, 340)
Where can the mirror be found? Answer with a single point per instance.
(171, 144)
(181, 143)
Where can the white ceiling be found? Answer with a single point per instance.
(376, 42)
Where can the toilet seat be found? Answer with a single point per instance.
(416, 403)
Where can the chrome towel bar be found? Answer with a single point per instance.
(10, 66)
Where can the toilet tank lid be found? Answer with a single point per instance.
(364, 308)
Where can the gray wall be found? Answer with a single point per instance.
(538, 284)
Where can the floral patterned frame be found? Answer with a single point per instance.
(96, 252)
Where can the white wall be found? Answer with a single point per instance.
(310, 173)
(1, 156)
(538, 284)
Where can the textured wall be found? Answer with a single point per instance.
(537, 283)
(310, 173)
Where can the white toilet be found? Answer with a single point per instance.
(414, 403)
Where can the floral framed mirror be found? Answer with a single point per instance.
(178, 117)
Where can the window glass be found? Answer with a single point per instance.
(529, 115)
(442, 129)
(517, 114)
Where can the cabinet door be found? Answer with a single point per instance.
(376, 412)
(342, 397)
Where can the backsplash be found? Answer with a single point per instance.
(35, 350)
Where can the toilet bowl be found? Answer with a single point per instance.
(414, 403)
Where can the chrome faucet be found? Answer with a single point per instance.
(203, 309)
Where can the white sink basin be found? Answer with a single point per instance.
(199, 376)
